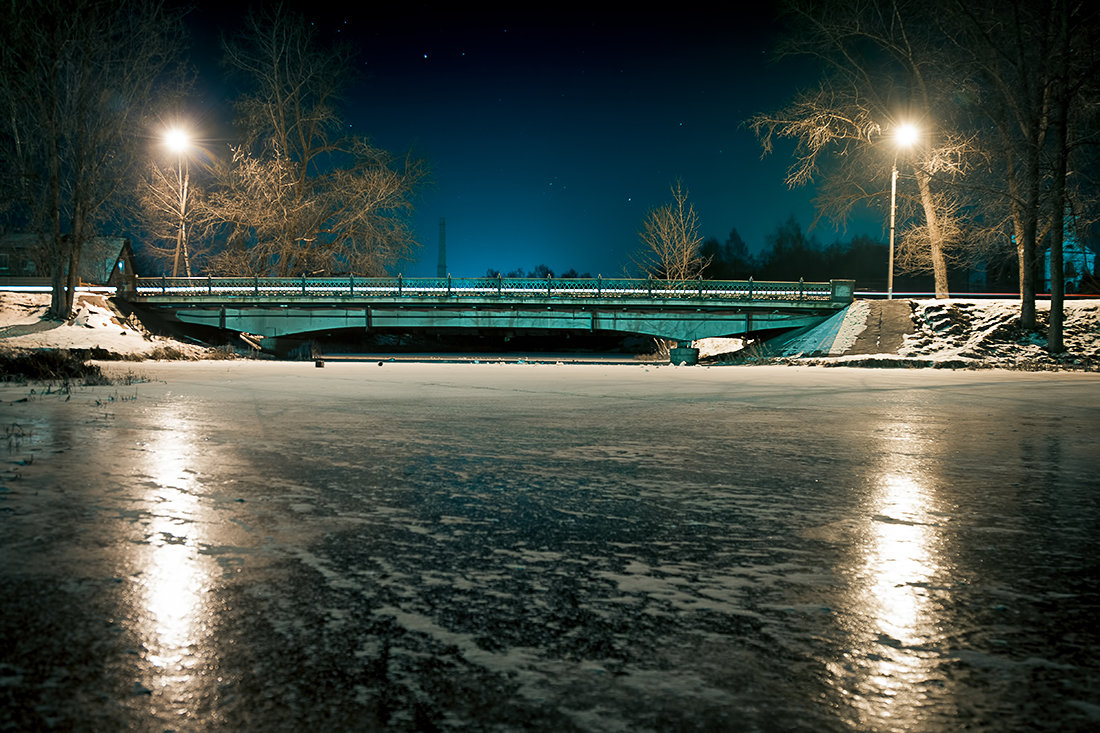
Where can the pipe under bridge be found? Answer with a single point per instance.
(679, 310)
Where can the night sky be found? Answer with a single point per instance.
(551, 132)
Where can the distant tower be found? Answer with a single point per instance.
(441, 269)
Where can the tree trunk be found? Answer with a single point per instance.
(1029, 229)
(935, 236)
(73, 278)
(59, 308)
(1059, 125)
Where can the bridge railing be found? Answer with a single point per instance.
(483, 287)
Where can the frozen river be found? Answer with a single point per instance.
(273, 546)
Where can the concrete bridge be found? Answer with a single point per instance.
(679, 310)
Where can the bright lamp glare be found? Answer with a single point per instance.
(177, 141)
(906, 135)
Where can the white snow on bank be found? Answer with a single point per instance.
(989, 330)
(715, 346)
(23, 325)
(960, 331)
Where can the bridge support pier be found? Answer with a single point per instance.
(683, 354)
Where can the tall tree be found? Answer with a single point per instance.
(167, 214)
(728, 261)
(671, 240)
(299, 194)
(881, 69)
(789, 253)
(77, 79)
(1036, 61)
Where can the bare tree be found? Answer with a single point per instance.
(76, 82)
(169, 206)
(299, 195)
(880, 71)
(1037, 63)
(671, 243)
(965, 242)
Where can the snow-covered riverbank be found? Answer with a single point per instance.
(954, 333)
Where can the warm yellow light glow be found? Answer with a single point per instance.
(175, 574)
(177, 140)
(894, 612)
(906, 135)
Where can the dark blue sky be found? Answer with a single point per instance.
(551, 132)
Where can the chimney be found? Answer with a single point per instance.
(441, 268)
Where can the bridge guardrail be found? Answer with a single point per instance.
(459, 287)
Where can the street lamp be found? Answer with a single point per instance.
(904, 137)
(179, 143)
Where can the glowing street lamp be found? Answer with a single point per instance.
(179, 142)
(904, 137)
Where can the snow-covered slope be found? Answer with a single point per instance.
(957, 332)
(95, 326)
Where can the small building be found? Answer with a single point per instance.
(122, 275)
(19, 256)
(1078, 258)
(103, 259)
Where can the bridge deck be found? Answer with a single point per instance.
(683, 310)
(163, 289)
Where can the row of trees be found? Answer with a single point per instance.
(77, 79)
(1005, 95)
(84, 85)
(538, 272)
(788, 251)
(297, 194)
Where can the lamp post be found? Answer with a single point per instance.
(178, 142)
(904, 137)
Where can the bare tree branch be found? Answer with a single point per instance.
(78, 79)
(671, 240)
(298, 195)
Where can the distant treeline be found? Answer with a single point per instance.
(539, 271)
(789, 254)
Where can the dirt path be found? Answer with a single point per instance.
(888, 322)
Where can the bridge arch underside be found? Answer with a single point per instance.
(679, 324)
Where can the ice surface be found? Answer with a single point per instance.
(493, 547)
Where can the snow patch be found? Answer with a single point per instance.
(959, 332)
(989, 332)
(94, 325)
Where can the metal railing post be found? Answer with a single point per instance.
(750, 287)
(209, 285)
(500, 285)
(399, 286)
(351, 284)
(802, 288)
(547, 286)
(164, 284)
(599, 286)
(448, 284)
(700, 286)
(649, 286)
(303, 284)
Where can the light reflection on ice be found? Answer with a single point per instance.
(175, 575)
(898, 557)
(893, 655)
